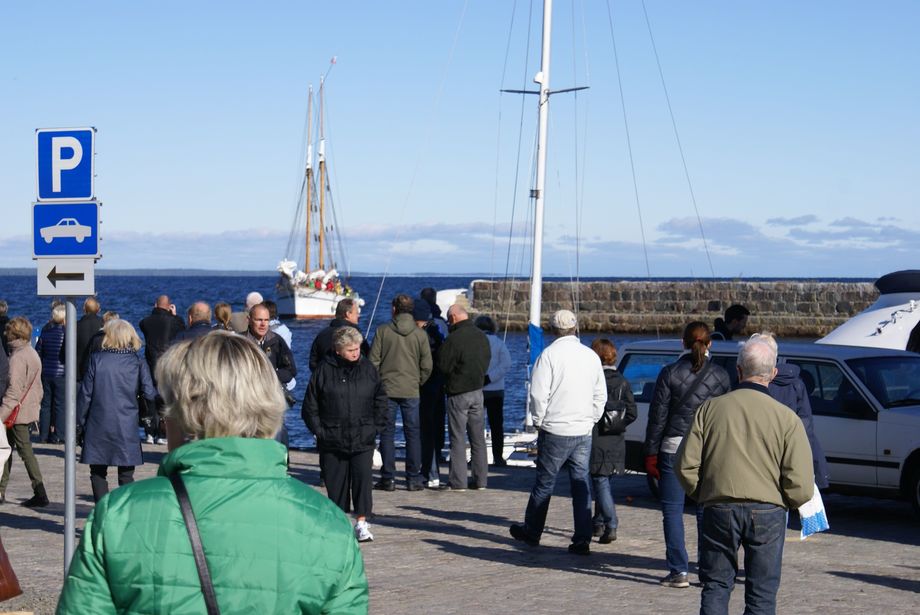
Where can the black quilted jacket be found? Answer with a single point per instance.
(664, 421)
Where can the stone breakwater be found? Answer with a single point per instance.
(789, 309)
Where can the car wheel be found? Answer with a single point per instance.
(79, 238)
(47, 239)
(913, 487)
(653, 486)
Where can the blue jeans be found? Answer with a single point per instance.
(554, 454)
(672, 509)
(761, 530)
(409, 408)
(606, 510)
(52, 404)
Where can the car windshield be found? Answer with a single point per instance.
(894, 381)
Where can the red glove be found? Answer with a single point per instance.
(651, 466)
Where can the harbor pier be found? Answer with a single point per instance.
(450, 552)
(788, 309)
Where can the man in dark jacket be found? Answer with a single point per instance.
(788, 388)
(432, 408)
(464, 361)
(199, 322)
(347, 313)
(734, 323)
(159, 329)
(88, 325)
(401, 354)
(274, 347)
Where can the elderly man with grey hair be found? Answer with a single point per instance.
(568, 391)
(746, 461)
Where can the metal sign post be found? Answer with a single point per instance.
(70, 432)
(66, 245)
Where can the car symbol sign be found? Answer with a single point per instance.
(66, 229)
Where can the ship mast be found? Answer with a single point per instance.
(309, 181)
(535, 329)
(322, 180)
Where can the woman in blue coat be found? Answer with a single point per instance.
(107, 409)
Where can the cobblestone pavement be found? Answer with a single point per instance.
(450, 552)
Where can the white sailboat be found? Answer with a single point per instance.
(313, 292)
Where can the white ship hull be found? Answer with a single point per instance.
(307, 303)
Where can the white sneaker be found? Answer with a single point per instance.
(363, 531)
(161, 440)
(434, 484)
(149, 440)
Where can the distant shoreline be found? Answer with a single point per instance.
(161, 273)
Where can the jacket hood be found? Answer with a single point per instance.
(236, 457)
(404, 324)
(786, 374)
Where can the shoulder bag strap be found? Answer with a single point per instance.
(204, 575)
(694, 385)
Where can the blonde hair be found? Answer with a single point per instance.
(18, 328)
(222, 313)
(345, 336)
(220, 385)
(118, 334)
(58, 313)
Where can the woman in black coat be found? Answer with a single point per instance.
(608, 442)
(107, 409)
(344, 407)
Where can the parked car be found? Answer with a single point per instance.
(865, 401)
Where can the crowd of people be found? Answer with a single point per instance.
(216, 394)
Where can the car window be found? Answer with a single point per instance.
(831, 392)
(893, 381)
(641, 371)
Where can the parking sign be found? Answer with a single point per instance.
(65, 164)
(65, 230)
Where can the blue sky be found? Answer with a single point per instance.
(798, 123)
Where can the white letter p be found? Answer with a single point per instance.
(59, 164)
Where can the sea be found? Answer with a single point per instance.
(133, 296)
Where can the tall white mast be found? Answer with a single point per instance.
(536, 283)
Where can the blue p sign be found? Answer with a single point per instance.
(65, 164)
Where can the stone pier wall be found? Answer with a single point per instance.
(789, 309)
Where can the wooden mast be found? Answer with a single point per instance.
(321, 185)
(309, 181)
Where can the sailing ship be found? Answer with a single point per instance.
(315, 290)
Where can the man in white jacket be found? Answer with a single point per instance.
(567, 397)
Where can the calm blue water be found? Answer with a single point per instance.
(133, 297)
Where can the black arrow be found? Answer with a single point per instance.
(54, 277)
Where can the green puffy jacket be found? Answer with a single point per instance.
(273, 544)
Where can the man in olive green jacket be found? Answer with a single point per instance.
(746, 460)
(402, 356)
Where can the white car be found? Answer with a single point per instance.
(66, 227)
(865, 402)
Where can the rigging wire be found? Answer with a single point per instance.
(629, 149)
(418, 162)
(509, 282)
(498, 145)
(680, 147)
(579, 196)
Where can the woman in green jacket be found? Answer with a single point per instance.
(272, 544)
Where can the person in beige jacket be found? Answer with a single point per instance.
(746, 460)
(25, 390)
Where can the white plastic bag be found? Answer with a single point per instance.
(813, 516)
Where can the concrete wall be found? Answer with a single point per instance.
(789, 309)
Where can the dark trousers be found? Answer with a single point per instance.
(408, 406)
(18, 436)
(672, 514)
(432, 412)
(349, 480)
(52, 409)
(97, 479)
(465, 420)
(761, 530)
(495, 406)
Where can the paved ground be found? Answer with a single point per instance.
(442, 552)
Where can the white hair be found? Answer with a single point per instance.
(757, 357)
(252, 299)
(221, 385)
